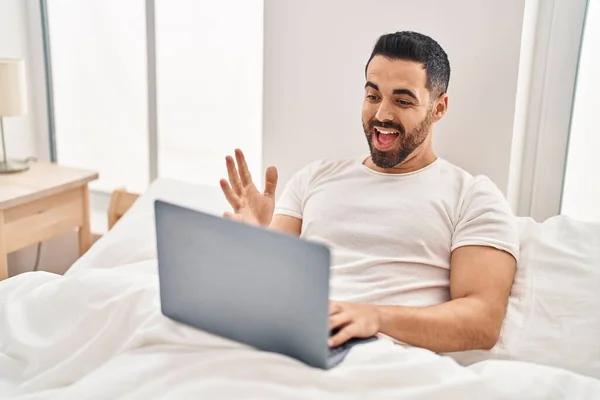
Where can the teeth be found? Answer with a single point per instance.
(386, 132)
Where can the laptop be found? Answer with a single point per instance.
(265, 289)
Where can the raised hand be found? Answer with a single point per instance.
(248, 203)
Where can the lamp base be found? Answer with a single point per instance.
(13, 166)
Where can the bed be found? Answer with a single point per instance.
(97, 332)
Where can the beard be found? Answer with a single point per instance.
(408, 141)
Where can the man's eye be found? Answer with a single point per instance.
(403, 102)
(372, 97)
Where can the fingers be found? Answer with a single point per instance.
(240, 177)
(234, 177)
(230, 195)
(235, 217)
(339, 320)
(244, 172)
(334, 307)
(345, 334)
(270, 181)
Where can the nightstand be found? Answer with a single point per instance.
(43, 202)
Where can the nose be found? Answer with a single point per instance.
(384, 112)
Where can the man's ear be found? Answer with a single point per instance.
(441, 106)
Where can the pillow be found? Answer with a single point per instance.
(553, 314)
(133, 238)
(561, 312)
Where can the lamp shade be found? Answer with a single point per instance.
(13, 93)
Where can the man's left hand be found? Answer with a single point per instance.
(353, 321)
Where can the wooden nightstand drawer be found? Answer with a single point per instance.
(42, 219)
(45, 201)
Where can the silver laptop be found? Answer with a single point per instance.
(258, 287)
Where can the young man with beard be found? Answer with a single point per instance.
(422, 251)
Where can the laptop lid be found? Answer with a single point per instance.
(252, 285)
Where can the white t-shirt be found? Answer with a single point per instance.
(391, 235)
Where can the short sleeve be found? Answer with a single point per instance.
(291, 202)
(485, 219)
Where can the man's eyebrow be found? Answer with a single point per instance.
(406, 92)
(372, 85)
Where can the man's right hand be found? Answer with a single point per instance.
(249, 205)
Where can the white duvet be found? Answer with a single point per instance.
(99, 334)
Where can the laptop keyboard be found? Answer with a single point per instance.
(338, 349)
(347, 345)
(342, 347)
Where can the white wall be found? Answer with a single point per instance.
(315, 53)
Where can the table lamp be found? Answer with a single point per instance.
(13, 102)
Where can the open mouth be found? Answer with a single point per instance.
(385, 138)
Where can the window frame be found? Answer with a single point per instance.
(558, 38)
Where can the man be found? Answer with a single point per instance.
(423, 252)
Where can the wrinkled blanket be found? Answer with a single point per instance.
(99, 334)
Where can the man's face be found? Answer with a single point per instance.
(397, 113)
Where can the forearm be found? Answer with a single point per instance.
(286, 224)
(458, 325)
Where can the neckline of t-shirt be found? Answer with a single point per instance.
(362, 160)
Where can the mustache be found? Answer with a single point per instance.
(389, 125)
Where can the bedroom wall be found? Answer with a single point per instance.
(315, 53)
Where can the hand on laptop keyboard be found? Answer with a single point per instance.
(348, 344)
(351, 320)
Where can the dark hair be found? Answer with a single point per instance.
(417, 47)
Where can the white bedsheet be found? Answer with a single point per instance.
(99, 334)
